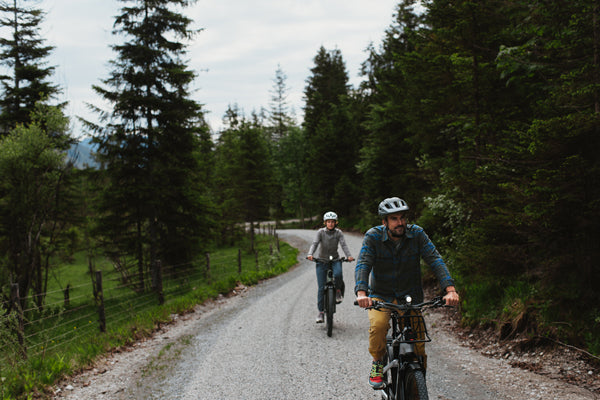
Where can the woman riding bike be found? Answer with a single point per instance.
(327, 240)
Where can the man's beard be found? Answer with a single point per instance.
(397, 235)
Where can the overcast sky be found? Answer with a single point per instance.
(235, 56)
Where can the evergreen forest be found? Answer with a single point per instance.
(483, 115)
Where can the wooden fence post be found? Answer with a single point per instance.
(67, 296)
(239, 261)
(16, 304)
(256, 258)
(251, 236)
(100, 302)
(207, 271)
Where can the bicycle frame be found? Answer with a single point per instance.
(403, 366)
(401, 350)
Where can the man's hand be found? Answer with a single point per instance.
(362, 299)
(310, 258)
(451, 297)
(350, 259)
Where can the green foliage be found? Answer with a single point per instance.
(33, 197)
(290, 168)
(479, 305)
(592, 335)
(484, 117)
(243, 173)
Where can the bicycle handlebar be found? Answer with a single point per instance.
(433, 303)
(323, 260)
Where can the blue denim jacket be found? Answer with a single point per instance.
(395, 267)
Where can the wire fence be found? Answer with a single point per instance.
(108, 300)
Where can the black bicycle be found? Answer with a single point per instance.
(404, 370)
(329, 294)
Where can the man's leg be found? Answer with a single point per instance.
(379, 324)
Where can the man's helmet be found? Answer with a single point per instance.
(392, 205)
(330, 215)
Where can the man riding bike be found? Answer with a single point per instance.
(390, 256)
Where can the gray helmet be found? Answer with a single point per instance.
(392, 205)
(330, 215)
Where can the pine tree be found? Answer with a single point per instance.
(280, 119)
(330, 131)
(244, 171)
(291, 171)
(155, 144)
(24, 54)
(397, 79)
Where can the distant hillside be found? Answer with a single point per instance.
(82, 154)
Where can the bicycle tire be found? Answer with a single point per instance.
(415, 387)
(330, 304)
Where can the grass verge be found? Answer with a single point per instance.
(61, 339)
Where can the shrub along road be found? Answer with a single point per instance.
(263, 343)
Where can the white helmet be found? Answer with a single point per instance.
(330, 215)
(392, 205)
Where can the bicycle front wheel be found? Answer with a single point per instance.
(415, 387)
(330, 304)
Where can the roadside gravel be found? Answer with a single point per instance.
(262, 343)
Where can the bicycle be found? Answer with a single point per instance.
(404, 371)
(329, 292)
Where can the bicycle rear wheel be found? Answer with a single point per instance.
(330, 308)
(415, 387)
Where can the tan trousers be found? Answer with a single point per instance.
(379, 321)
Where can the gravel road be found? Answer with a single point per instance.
(264, 344)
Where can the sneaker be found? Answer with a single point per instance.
(339, 296)
(320, 317)
(376, 376)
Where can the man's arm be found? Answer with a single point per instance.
(433, 258)
(364, 264)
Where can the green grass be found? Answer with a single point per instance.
(64, 338)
